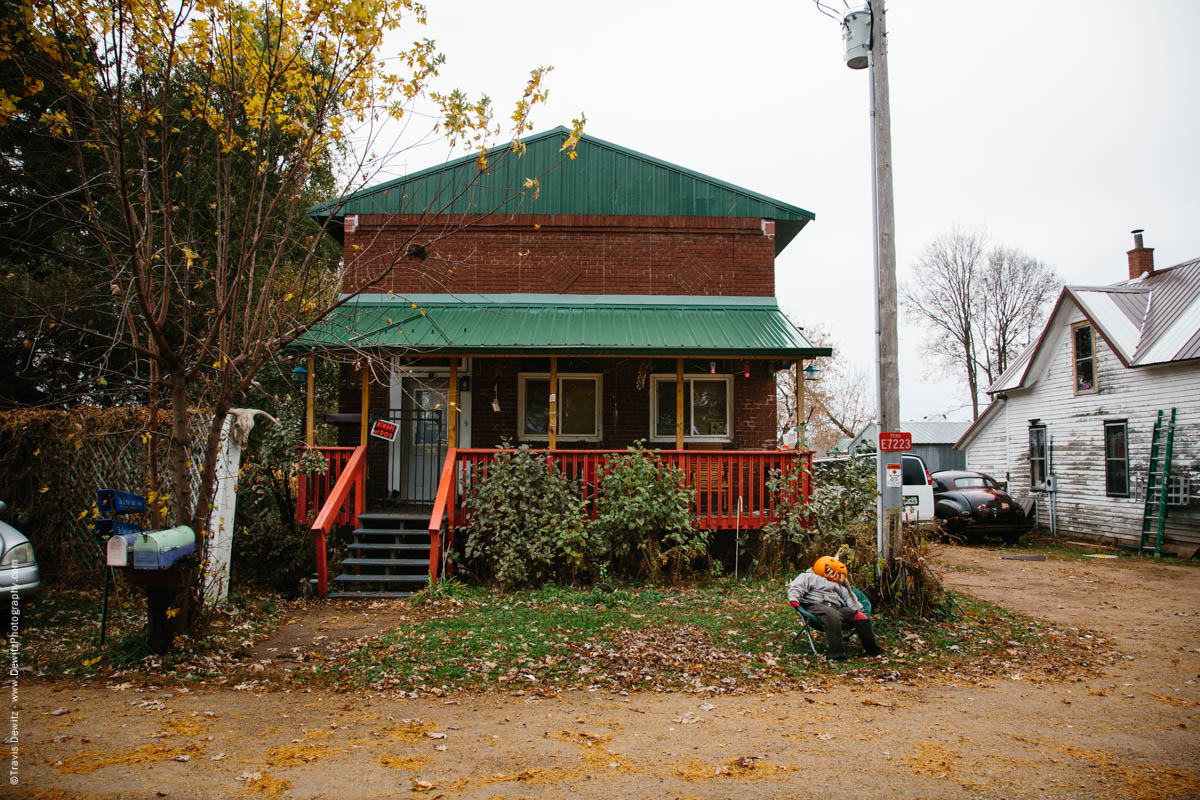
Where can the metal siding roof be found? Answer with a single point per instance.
(605, 179)
(1119, 330)
(550, 324)
(1173, 316)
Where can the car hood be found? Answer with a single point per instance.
(11, 536)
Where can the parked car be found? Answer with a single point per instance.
(18, 567)
(917, 485)
(973, 504)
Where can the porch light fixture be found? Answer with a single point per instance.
(299, 375)
(812, 373)
(746, 369)
(712, 368)
(495, 399)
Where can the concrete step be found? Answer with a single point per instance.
(386, 562)
(387, 547)
(375, 532)
(393, 519)
(350, 578)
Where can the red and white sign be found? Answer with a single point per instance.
(894, 476)
(894, 441)
(382, 429)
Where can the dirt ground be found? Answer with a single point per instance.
(1134, 732)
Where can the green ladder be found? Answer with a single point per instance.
(1158, 477)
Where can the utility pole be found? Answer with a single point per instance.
(865, 36)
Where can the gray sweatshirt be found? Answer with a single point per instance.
(812, 589)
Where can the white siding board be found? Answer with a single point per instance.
(1075, 425)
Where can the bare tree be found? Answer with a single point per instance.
(836, 407)
(980, 306)
(1017, 289)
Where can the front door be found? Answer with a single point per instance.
(423, 439)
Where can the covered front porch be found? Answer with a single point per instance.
(439, 383)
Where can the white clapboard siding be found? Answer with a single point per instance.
(1075, 424)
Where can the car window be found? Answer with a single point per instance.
(914, 472)
(970, 481)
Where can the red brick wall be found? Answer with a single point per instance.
(563, 254)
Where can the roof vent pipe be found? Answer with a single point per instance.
(1141, 258)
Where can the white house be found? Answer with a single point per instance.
(1080, 405)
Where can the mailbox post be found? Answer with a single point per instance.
(159, 562)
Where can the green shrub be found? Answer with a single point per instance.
(526, 522)
(840, 512)
(644, 521)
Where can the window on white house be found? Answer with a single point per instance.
(1085, 359)
(707, 408)
(1037, 456)
(578, 406)
(1116, 458)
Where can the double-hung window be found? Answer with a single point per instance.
(578, 406)
(1084, 349)
(1116, 458)
(1037, 456)
(707, 408)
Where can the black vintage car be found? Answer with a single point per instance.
(973, 505)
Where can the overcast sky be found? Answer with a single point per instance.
(1058, 127)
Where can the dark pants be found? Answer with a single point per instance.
(832, 619)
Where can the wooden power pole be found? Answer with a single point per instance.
(885, 265)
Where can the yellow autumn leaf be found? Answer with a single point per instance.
(171, 612)
(43, 490)
(90, 661)
(37, 452)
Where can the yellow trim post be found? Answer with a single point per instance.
(364, 409)
(553, 402)
(309, 403)
(452, 434)
(679, 404)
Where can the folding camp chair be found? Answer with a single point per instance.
(811, 622)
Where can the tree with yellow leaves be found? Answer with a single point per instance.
(187, 141)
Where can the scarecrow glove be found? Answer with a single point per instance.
(858, 615)
(796, 604)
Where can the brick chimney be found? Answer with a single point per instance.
(1141, 258)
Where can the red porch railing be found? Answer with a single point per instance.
(731, 485)
(337, 497)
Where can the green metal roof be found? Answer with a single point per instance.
(605, 179)
(530, 324)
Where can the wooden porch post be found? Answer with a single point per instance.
(553, 402)
(452, 435)
(366, 399)
(309, 403)
(801, 427)
(679, 404)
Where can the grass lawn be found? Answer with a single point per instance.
(724, 636)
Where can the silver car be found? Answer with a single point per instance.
(18, 567)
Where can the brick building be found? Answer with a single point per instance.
(566, 303)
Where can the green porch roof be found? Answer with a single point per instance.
(605, 179)
(530, 324)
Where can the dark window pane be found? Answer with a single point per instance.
(665, 416)
(709, 408)
(1116, 458)
(577, 407)
(913, 474)
(1083, 342)
(537, 406)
